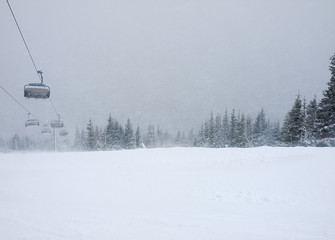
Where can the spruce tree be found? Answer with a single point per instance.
(129, 141)
(211, 131)
(77, 141)
(91, 141)
(249, 131)
(191, 138)
(109, 132)
(218, 132)
(260, 127)
(138, 138)
(293, 127)
(225, 129)
(233, 130)
(150, 140)
(326, 110)
(201, 140)
(241, 132)
(275, 133)
(178, 138)
(311, 118)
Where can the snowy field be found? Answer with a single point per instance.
(178, 193)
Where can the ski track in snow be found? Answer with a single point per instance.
(176, 193)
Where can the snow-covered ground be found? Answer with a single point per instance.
(178, 193)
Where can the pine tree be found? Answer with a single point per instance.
(233, 130)
(83, 139)
(293, 127)
(91, 140)
(161, 140)
(311, 118)
(116, 135)
(225, 129)
(15, 143)
(249, 131)
(178, 138)
(77, 141)
(97, 136)
(241, 132)
(191, 138)
(138, 138)
(129, 141)
(150, 140)
(109, 132)
(211, 129)
(274, 134)
(218, 133)
(326, 110)
(260, 127)
(201, 140)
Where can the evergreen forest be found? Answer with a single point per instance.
(307, 123)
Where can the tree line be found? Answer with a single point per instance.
(115, 136)
(306, 124)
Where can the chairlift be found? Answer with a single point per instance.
(46, 129)
(57, 123)
(63, 132)
(37, 90)
(31, 122)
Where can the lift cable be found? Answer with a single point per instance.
(53, 106)
(18, 27)
(17, 101)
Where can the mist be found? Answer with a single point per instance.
(163, 62)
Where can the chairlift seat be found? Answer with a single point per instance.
(63, 133)
(45, 130)
(32, 122)
(57, 124)
(36, 90)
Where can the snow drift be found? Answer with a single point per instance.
(178, 193)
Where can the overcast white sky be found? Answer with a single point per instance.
(163, 62)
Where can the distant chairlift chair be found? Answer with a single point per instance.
(46, 129)
(31, 122)
(57, 123)
(63, 133)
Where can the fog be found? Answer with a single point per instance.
(163, 62)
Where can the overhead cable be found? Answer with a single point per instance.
(18, 27)
(17, 101)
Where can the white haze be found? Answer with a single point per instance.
(163, 62)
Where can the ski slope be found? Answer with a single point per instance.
(177, 193)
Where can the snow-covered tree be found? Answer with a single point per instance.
(241, 131)
(260, 127)
(326, 110)
(150, 140)
(311, 125)
(138, 138)
(79, 143)
(129, 140)
(225, 129)
(249, 131)
(293, 127)
(90, 140)
(233, 135)
(218, 133)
